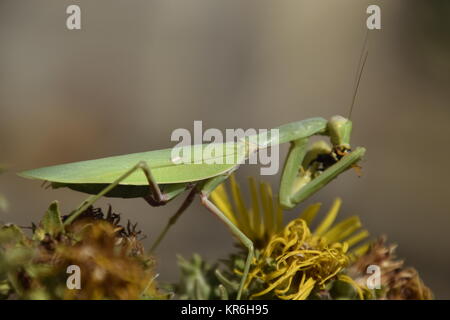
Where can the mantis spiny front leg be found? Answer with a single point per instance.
(307, 171)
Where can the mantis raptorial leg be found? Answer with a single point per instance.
(298, 182)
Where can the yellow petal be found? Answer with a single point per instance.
(267, 205)
(310, 212)
(256, 215)
(329, 219)
(220, 198)
(362, 249)
(343, 229)
(240, 207)
(357, 237)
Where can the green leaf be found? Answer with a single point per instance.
(197, 280)
(5, 289)
(11, 234)
(52, 222)
(341, 290)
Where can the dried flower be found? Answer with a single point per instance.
(111, 259)
(397, 282)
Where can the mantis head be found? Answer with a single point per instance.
(339, 130)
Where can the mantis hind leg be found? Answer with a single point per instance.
(157, 196)
(186, 203)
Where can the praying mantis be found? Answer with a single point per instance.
(155, 177)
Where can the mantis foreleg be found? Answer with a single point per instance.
(299, 182)
(292, 179)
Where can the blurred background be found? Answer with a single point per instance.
(140, 69)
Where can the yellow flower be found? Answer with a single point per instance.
(261, 220)
(292, 260)
(264, 217)
(296, 260)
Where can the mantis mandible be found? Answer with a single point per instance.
(154, 177)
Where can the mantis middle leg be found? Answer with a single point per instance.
(158, 196)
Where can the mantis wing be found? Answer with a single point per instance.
(163, 168)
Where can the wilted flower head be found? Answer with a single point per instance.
(397, 282)
(110, 258)
(109, 270)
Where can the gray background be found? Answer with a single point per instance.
(139, 69)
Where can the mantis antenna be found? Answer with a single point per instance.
(359, 71)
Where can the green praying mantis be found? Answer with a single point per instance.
(155, 177)
(158, 179)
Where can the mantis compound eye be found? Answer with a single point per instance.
(341, 151)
